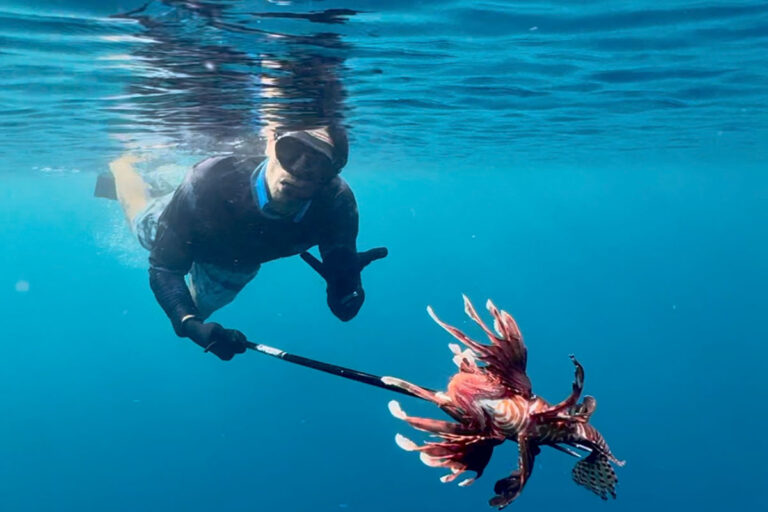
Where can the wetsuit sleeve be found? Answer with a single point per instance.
(340, 261)
(340, 229)
(171, 259)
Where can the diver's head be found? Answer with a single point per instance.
(302, 162)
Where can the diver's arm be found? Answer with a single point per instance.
(342, 264)
(172, 294)
(338, 248)
(171, 259)
(342, 223)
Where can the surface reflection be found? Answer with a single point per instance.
(207, 75)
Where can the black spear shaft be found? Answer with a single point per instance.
(347, 373)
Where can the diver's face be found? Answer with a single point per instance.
(285, 186)
(297, 171)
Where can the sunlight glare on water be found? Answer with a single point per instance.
(568, 77)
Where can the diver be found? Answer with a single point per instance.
(231, 214)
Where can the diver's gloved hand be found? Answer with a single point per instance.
(224, 343)
(341, 270)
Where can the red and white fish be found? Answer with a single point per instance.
(491, 399)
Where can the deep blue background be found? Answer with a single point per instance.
(653, 276)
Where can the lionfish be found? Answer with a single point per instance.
(491, 399)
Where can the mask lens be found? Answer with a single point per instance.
(302, 161)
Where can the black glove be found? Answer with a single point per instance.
(341, 270)
(224, 343)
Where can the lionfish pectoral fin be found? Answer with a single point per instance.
(459, 448)
(456, 453)
(405, 444)
(596, 474)
(395, 410)
(438, 427)
(438, 397)
(508, 489)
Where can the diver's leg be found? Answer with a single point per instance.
(129, 186)
(144, 223)
(213, 287)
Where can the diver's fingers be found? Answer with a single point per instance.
(366, 257)
(313, 262)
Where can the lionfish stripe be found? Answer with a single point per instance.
(457, 333)
(511, 325)
(498, 324)
(469, 309)
(571, 400)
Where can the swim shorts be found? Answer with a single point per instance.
(211, 286)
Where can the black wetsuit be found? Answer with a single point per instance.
(214, 218)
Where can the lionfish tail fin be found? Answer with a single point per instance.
(596, 474)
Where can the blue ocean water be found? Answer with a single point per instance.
(597, 169)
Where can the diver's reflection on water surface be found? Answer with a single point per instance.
(210, 74)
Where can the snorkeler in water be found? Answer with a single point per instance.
(232, 214)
